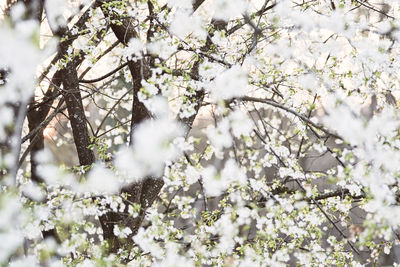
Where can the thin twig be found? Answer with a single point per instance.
(280, 106)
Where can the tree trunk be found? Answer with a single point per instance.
(76, 114)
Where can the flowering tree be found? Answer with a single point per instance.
(228, 133)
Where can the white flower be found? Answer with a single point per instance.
(54, 11)
(122, 233)
(184, 24)
(233, 173)
(226, 9)
(17, 11)
(101, 180)
(346, 124)
(215, 184)
(187, 4)
(173, 259)
(29, 261)
(387, 248)
(240, 124)
(147, 244)
(33, 191)
(134, 49)
(219, 136)
(229, 84)
(192, 175)
(157, 105)
(162, 47)
(153, 146)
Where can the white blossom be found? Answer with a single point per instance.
(229, 84)
(55, 10)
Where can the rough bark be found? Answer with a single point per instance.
(76, 114)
